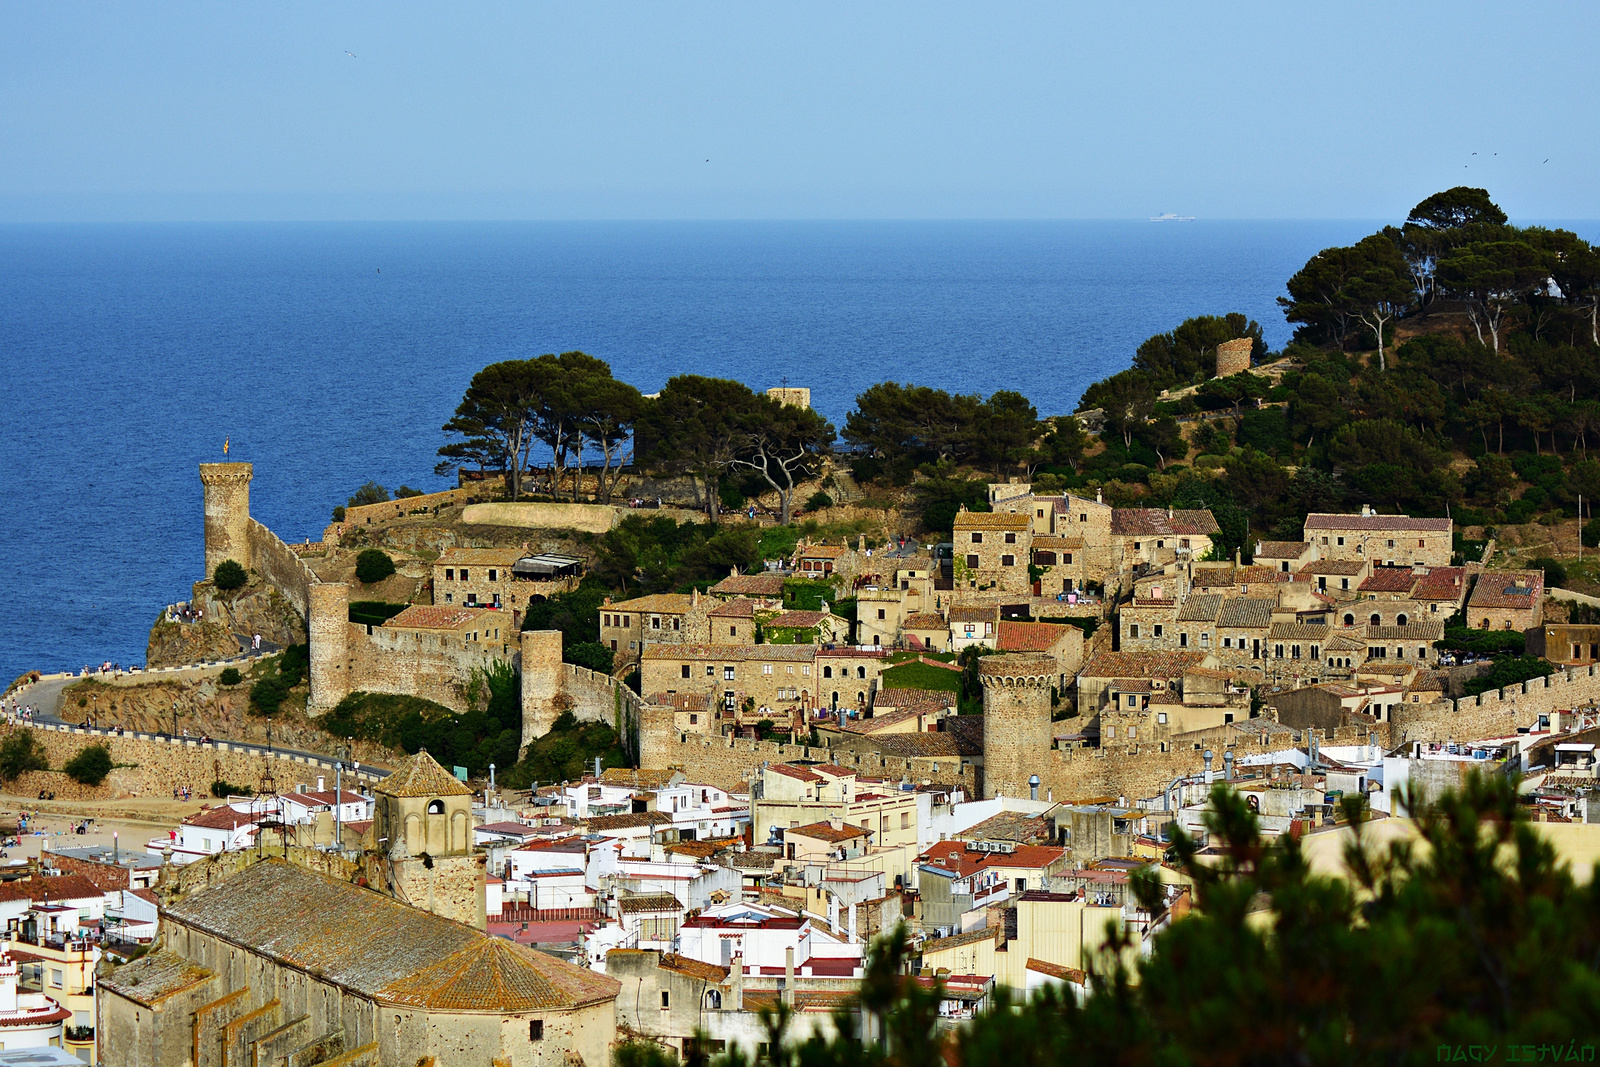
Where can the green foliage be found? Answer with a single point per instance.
(1189, 353)
(590, 654)
(374, 612)
(1509, 671)
(805, 594)
(943, 498)
(371, 493)
(472, 739)
(1481, 642)
(971, 699)
(906, 426)
(1555, 573)
(406, 491)
(657, 555)
(222, 790)
(229, 576)
(576, 613)
(1087, 623)
(818, 500)
(566, 753)
(338, 513)
(373, 565)
(230, 676)
(90, 765)
(283, 673)
(916, 675)
(20, 752)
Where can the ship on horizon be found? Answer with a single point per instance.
(1170, 217)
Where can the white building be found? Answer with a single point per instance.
(27, 1020)
(769, 941)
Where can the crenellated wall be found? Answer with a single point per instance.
(281, 566)
(1500, 712)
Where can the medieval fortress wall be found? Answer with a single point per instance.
(346, 658)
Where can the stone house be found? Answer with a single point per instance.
(733, 622)
(501, 578)
(1062, 643)
(1391, 540)
(807, 627)
(848, 676)
(926, 630)
(992, 550)
(460, 627)
(771, 675)
(1566, 644)
(625, 626)
(1443, 590)
(766, 588)
(1338, 578)
(1063, 565)
(230, 976)
(1158, 536)
(818, 561)
(880, 613)
(1286, 556)
(1507, 600)
(973, 624)
(1131, 679)
(1243, 624)
(830, 841)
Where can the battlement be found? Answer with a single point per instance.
(1014, 670)
(226, 473)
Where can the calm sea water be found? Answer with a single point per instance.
(331, 354)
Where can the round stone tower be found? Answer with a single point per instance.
(227, 500)
(542, 677)
(1016, 720)
(658, 736)
(329, 628)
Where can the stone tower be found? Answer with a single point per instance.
(542, 674)
(227, 501)
(422, 833)
(329, 628)
(1016, 720)
(658, 735)
(1233, 357)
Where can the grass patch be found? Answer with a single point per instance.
(921, 676)
(374, 612)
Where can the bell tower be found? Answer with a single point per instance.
(422, 829)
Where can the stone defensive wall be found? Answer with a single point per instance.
(366, 514)
(1500, 712)
(589, 518)
(281, 566)
(160, 764)
(731, 762)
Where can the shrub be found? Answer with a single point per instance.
(818, 501)
(591, 654)
(1555, 574)
(371, 493)
(406, 491)
(374, 612)
(229, 576)
(1508, 672)
(222, 790)
(21, 752)
(229, 676)
(373, 565)
(90, 766)
(338, 513)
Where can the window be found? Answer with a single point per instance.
(827, 672)
(1011, 538)
(1183, 639)
(1391, 542)
(536, 1030)
(1136, 546)
(664, 999)
(1205, 640)
(1083, 516)
(1341, 541)
(1159, 629)
(1294, 651)
(1400, 620)
(694, 720)
(733, 630)
(1227, 642)
(1161, 717)
(435, 807)
(1111, 731)
(727, 674)
(972, 561)
(1133, 701)
(449, 574)
(711, 672)
(880, 613)
(1045, 559)
(655, 622)
(1133, 630)
(1133, 733)
(861, 672)
(1161, 544)
(627, 622)
(463, 574)
(1008, 561)
(805, 669)
(1068, 558)
(1344, 583)
(1375, 619)
(766, 668)
(1183, 542)
(1349, 620)
(493, 577)
(1277, 651)
(977, 538)
(905, 820)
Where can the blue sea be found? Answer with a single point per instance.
(330, 354)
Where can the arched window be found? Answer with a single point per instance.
(1400, 620)
(1376, 619)
(861, 672)
(714, 1000)
(1349, 620)
(435, 807)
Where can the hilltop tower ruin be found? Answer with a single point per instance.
(1016, 720)
(227, 504)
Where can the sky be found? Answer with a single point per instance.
(689, 110)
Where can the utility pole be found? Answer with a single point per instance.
(338, 805)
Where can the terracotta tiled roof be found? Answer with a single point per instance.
(1377, 523)
(821, 552)
(643, 777)
(971, 937)
(65, 887)
(798, 620)
(1008, 826)
(1507, 589)
(909, 698)
(1140, 664)
(649, 902)
(992, 520)
(421, 776)
(1056, 542)
(1334, 567)
(379, 948)
(153, 978)
(953, 856)
(223, 818)
(1200, 607)
(682, 701)
(482, 557)
(922, 743)
(1145, 522)
(823, 831)
(735, 609)
(1029, 636)
(694, 968)
(762, 585)
(789, 770)
(733, 653)
(654, 604)
(833, 770)
(888, 715)
(422, 617)
(1441, 583)
(1282, 549)
(1245, 613)
(1298, 631)
(1389, 580)
(974, 612)
(1426, 628)
(628, 820)
(1056, 970)
(925, 620)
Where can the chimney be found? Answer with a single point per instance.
(605, 600)
(1207, 757)
(852, 924)
(788, 977)
(736, 976)
(1366, 511)
(322, 784)
(1033, 787)
(1258, 548)
(1097, 498)
(694, 597)
(836, 822)
(1227, 765)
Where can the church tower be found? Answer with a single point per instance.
(422, 829)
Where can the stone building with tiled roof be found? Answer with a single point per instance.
(1390, 540)
(1285, 556)
(992, 550)
(627, 626)
(1159, 536)
(1507, 600)
(275, 959)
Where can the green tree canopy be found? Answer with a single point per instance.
(229, 575)
(783, 443)
(1189, 353)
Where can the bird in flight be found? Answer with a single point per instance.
(1546, 161)
(349, 53)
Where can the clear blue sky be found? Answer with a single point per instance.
(848, 110)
